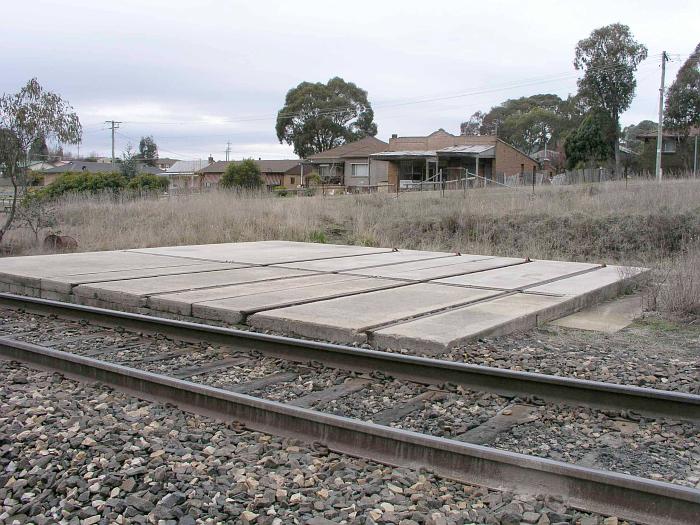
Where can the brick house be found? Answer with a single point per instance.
(415, 159)
(349, 165)
(273, 173)
(677, 150)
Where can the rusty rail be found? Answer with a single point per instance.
(659, 403)
(629, 497)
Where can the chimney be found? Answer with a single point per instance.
(394, 136)
(211, 159)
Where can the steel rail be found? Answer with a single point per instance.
(639, 499)
(657, 403)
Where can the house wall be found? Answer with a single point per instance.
(379, 172)
(438, 140)
(509, 160)
(292, 181)
(393, 175)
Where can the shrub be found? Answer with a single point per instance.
(245, 174)
(83, 182)
(148, 182)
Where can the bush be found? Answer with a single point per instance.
(148, 182)
(83, 182)
(86, 182)
(245, 174)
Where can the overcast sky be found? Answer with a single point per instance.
(195, 74)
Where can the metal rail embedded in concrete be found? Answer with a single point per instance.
(629, 497)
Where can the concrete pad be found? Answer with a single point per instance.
(370, 261)
(134, 292)
(438, 268)
(262, 252)
(29, 270)
(519, 276)
(346, 319)
(608, 317)
(603, 278)
(498, 316)
(65, 283)
(235, 310)
(181, 302)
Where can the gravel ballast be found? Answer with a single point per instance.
(84, 454)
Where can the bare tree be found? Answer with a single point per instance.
(25, 117)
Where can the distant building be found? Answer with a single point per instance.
(78, 166)
(350, 164)
(413, 160)
(164, 162)
(677, 149)
(183, 174)
(273, 172)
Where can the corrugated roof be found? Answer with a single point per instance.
(405, 154)
(265, 166)
(98, 167)
(467, 149)
(185, 167)
(360, 148)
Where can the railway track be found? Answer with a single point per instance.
(365, 403)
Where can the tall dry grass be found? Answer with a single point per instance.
(639, 224)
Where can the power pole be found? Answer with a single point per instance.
(228, 149)
(114, 125)
(660, 128)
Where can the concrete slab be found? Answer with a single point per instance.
(262, 252)
(29, 270)
(498, 316)
(520, 276)
(134, 292)
(371, 261)
(181, 303)
(611, 278)
(236, 309)
(438, 268)
(608, 317)
(65, 283)
(348, 318)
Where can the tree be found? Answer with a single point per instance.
(473, 125)
(26, 116)
(148, 150)
(683, 102)
(244, 174)
(317, 117)
(590, 141)
(38, 150)
(629, 134)
(527, 123)
(130, 165)
(608, 58)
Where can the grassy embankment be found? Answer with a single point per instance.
(644, 223)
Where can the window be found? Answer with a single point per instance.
(292, 180)
(359, 170)
(669, 146)
(324, 171)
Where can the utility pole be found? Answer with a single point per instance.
(228, 149)
(114, 125)
(660, 128)
(695, 156)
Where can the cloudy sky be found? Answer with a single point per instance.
(196, 74)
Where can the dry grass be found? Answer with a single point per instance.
(640, 224)
(643, 224)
